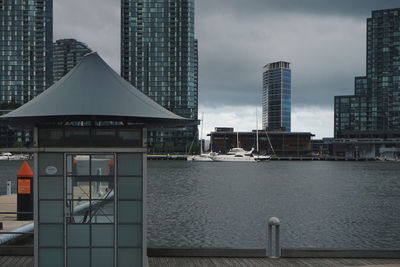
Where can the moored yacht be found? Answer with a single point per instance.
(9, 156)
(202, 157)
(236, 154)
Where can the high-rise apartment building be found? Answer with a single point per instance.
(26, 39)
(159, 56)
(276, 99)
(67, 53)
(374, 110)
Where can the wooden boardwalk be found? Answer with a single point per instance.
(264, 262)
(27, 261)
(16, 261)
(10, 222)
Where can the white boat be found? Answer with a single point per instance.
(239, 157)
(201, 157)
(239, 150)
(233, 158)
(388, 157)
(236, 154)
(5, 156)
(9, 156)
(257, 156)
(262, 157)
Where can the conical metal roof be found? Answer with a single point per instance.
(93, 90)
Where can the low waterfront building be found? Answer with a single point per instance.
(365, 149)
(322, 147)
(282, 144)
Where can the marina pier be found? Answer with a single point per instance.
(154, 261)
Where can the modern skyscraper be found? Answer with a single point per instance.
(374, 110)
(67, 54)
(276, 99)
(26, 37)
(159, 56)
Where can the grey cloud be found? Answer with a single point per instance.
(94, 22)
(323, 39)
(360, 8)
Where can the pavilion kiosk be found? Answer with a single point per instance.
(90, 167)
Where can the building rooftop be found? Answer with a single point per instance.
(92, 91)
(277, 65)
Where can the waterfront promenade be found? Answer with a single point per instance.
(8, 203)
(27, 261)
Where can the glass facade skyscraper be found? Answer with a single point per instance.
(159, 56)
(26, 39)
(67, 54)
(25, 49)
(374, 110)
(276, 99)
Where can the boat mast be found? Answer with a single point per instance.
(270, 144)
(201, 134)
(211, 146)
(257, 127)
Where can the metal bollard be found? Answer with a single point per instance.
(274, 221)
(8, 188)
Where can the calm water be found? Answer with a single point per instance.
(320, 204)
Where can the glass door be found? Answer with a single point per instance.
(90, 210)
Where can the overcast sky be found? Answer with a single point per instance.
(323, 39)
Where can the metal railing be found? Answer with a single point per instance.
(24, 230)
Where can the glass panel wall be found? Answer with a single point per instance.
(90, 203)
(130, 209)
(90, 213)
(51, 209)
(84, 136)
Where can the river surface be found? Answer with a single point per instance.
(320, 204)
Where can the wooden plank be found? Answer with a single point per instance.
(205, 252)
(24, 261)
(28, 262)
(265, 262)
(341, 253)
(2, 261)
(17, 261)
(8, 261)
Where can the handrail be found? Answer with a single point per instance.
(27, 228)
(15, 233)
(15, 212)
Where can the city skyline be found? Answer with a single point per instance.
(232, 47)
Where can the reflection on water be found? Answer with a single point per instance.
(320, 204)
